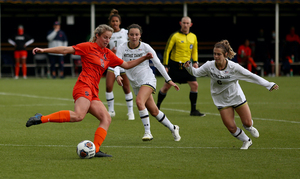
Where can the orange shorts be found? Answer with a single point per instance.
(20, 54)
(83, 90)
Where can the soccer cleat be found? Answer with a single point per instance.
(101, 154)
(35, 120)
(176, 133)
(197, 113)
(112, 113)
(246, 144)
(130, 116)
(254, 132)
(147, 137)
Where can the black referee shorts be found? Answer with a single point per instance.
(178, 73)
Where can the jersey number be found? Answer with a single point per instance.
(219, 82)
(102, 62)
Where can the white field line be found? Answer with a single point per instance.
(145, 147)
(118, 104)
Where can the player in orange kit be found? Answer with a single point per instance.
(96, 58)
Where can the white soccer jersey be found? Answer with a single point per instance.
(142, 73)
(224, 85)
(117, 39)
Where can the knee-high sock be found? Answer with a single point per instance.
(60, 116)
(110, 100)
(17, 69)
(144, 115)
(240, 134)
(193, 100)
(161, 96)
(100, 136)
(24, 69)
(162, 118)
(129, 102)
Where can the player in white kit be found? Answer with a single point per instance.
(226, 91)
(143, 81)
(118, 37)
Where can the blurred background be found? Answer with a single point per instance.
(213, 20)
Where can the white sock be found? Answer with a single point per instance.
(240, 134)
(110, 100)
(162, 118)
(145, 119)
(129, 102)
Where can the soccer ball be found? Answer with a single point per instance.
(86, 149)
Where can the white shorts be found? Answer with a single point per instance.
(151, 84)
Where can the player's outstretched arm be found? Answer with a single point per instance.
(57, 50)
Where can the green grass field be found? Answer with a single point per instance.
(206, 149)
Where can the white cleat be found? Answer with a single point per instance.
(130, 116)
(246, 144)
(254, 132)
(112, 113)
(176, 133)
(147, 137)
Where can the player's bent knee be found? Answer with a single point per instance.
(78, 118)
(194, 86)
(165, 88)
(139, 104)
(105, 120)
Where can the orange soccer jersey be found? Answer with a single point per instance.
(95, 60)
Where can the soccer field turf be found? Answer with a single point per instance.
(206, 149)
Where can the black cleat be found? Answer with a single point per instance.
(35, 120)
(197, 113)
(101, 154)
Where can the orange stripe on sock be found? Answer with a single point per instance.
(100, 135)
(61, 116)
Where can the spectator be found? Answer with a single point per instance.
(57, 37)
(292, 44)
(20, 41)
(245, 56)
(286, 61)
